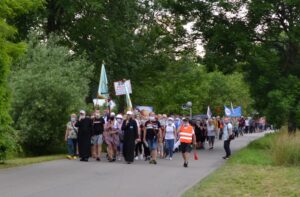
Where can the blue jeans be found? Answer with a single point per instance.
(169, 147)
(71, 146)
(152, 144)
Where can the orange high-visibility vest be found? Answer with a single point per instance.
(186, 134)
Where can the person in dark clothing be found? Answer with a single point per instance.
(130, 129)
(203, 133)
(84, 125)
(198, 134)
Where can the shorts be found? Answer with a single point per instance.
(211, 138)
(185, 147)
(97, 140)
(152, 144)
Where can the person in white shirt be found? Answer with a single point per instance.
(170, 133)
(211, 133)
(227, 132)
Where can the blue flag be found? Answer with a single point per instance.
(233, 112)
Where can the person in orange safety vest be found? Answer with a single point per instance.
(187, 138)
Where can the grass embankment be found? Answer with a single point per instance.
(267, 167)
(29, 160)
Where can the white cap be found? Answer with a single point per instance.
(112, 114)
(119, 116)
(170, 118)
(129, 113)
(82, 112)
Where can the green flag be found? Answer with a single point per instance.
(103, 84)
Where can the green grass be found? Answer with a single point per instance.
(255, 171)
(29, 160)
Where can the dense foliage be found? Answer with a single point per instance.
(48, 83)
(260, 38)
(9, 50)
(251, 48)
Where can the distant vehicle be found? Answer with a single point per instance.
(198, 117)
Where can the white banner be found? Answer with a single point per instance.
(120, 87)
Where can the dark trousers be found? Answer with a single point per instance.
(227, 148)
(138, 148)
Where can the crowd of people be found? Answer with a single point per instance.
(134, 136)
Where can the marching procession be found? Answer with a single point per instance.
(134, 136)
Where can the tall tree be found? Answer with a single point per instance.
(260, 38)
(8, 51)
(136, 39)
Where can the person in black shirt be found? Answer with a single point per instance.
(152, 132)
(84, 125)
(97, 137)
(198, 134)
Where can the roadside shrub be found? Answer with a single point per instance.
(286, 149)
(48, 83)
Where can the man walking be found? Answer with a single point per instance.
(84, 125)
(130, 129)
(227, 132)
(187, 137)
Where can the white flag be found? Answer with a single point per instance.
(209, 114)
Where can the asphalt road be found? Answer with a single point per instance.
(77, 179)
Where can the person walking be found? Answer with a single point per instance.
(97, 135)
(71, 137)
(211, 134)
(120, 133)
(130, 129)
(198, 135)
(187, 137)
(152, 132)
(84, 125)
(111, 138)
(227, 132)
(170, 133)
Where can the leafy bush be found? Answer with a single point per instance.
(48, 83)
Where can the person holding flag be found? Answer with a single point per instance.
(187, 138)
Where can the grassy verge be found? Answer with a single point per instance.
(29, 160)
(257, 170)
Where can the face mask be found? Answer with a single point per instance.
(73, 119)
(119, 120)
(151, 118)
(82, 116)
(170, 122)
(97, 115)
(186, 124)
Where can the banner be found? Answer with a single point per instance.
(103, 84)
(120, 87)
(144, 110)
(236, 112)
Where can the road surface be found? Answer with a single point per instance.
(78, 179)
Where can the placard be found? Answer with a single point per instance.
(120, 87)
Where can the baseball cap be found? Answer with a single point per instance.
(129, 113)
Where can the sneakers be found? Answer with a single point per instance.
(141, 157)
(136, 158)
(69, 157)
(225, 157)
(152, 162)
(170, 158)
(185, 164)
(74, 157)
(98, 159)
